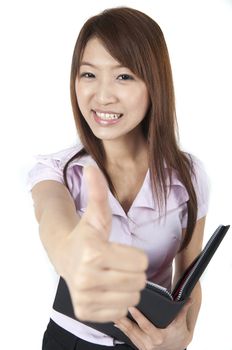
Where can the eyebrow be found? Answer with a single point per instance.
(85, 63)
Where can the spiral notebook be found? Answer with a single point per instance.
(157, 303)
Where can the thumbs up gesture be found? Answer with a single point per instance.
(104, 278)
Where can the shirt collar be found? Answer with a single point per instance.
(144, 198)
(83, 161)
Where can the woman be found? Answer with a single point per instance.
(118, 208)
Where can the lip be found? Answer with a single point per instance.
(109, 112)
(102, 122)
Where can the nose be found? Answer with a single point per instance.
(105, 93)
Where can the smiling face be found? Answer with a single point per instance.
(111, 98)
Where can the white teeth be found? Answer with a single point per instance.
(107, 115)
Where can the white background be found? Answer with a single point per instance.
(36, 44)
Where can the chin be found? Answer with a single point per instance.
(107, 135)
(105, 138)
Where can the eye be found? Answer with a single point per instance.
(86, 75)
(125, 77)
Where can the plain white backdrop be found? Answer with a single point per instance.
(37, 40)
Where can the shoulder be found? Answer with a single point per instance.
(51, 166)
(200, 176)
(197, 172)
(60, 158)
(201, 183)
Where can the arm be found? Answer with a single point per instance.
(104, 278)
(56, 214)
(179, 333)
(182, 261)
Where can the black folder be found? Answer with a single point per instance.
(157, 303)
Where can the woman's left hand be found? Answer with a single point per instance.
(146, 336)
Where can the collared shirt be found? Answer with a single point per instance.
(159, 236)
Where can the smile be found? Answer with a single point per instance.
(108, 115)
(106, 118)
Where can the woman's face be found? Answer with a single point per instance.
(111, 98)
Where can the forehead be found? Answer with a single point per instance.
(97, 55)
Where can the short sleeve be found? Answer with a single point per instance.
(51, 167)
(201, 185)
(45, 168)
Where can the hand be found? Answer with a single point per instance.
(104, 278)
(148, 337)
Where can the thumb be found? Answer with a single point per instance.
(98, 212)
(183, 313)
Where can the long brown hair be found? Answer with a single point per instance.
(137, 42)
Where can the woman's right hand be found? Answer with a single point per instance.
(104, 278)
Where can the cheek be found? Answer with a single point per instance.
(82, 94)
(138, 101)
(145, 101)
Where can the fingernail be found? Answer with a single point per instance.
(116, 326)
(131, 309)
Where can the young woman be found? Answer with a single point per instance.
(117, 209)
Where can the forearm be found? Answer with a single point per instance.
(195, 308)
(57, 221)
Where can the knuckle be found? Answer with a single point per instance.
(144, 262)
(136, 298)
(82, 282)
(126, 281)
(130, 327)
(90, 254)
(121, 313)
(95, 255)
(149, 346)
(82, 300)
(145, 326)
(159, 340)
(142, 281)
(80, 313)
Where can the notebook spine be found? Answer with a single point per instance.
(188, 278)
(160, 289)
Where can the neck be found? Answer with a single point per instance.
(125, 152)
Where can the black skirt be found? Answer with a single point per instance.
(57, 338)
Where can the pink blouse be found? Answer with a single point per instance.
(140, 227)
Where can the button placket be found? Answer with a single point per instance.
(131, 224)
